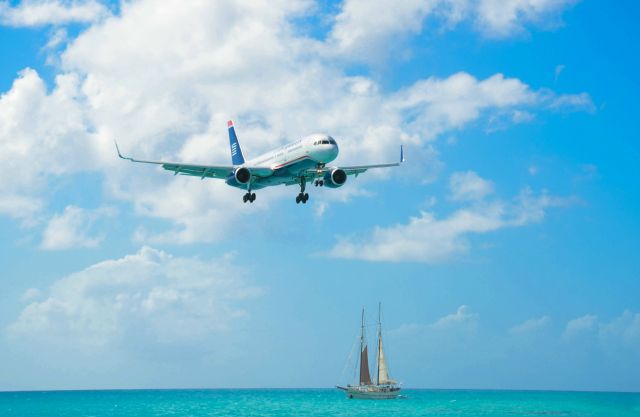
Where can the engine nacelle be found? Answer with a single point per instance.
(242, 175)
(335, 178)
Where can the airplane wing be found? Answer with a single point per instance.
(202, 171)
(356, 170)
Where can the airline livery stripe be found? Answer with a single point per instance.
(291, 162)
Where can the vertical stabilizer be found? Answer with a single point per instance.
(236, 152)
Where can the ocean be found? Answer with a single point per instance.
(315, 402)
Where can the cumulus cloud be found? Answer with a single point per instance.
(51, 12)
(624, 329)
(584, 324)
(428, 239)
(368, 30)
(468, 185)
(460, 317)
(531, 325)
(503, 18)
(212, 61)
(42, 134)
(620, 333)
(149, 297)
(73, 228)
(363, 27)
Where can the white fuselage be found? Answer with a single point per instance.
(307, 153)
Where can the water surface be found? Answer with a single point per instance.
(310, 402)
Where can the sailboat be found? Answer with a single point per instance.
(384, 387)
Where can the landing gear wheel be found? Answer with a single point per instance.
(302, 197)
(250, 197)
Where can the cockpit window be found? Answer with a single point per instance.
(331, 141)
(325, 142)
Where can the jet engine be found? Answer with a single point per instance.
(335, 178)
(242, 175)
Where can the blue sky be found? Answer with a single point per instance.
(503, 251)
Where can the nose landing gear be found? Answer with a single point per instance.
(319, 183)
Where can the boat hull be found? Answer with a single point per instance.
(371, 392)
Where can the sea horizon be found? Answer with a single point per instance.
(315, 402)
(533, 390)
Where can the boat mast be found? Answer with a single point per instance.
(365, 377)
(379, 343)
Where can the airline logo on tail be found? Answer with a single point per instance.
(236, 151)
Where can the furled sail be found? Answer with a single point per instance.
(365, 378)
(383, 372)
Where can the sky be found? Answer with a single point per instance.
(504, 251)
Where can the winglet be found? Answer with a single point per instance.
(119, 154)
(118, 149)
(401, 154)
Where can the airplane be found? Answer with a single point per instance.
(299, 162)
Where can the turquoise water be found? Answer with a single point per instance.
(315, 403)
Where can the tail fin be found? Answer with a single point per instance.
(236, 152)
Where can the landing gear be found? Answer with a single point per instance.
(302, 197)
(249, 196)
(319, 183)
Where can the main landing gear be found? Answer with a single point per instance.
(302, 197)
(249, 196)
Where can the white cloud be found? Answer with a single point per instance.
(149, 297)
(469, 186)
(363, 27)
(51, 12)
(428, 239)
(531, 325)
(461, 320)
(573, 102)
(503, 18)
(440, 105)
(558, 70)
(369, 30)
(623, 330)
(73, 227)
(250, 64)
(580, 325)
(31, 294)
(460, 317)
(42, 135)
